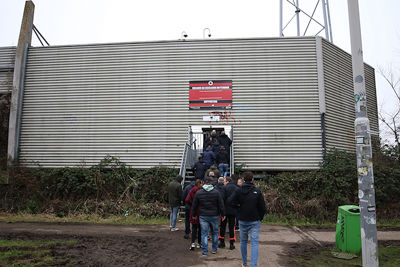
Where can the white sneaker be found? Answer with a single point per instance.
(192, 246)
(198, 246)
(174, 229)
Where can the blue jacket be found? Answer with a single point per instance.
(208, 157)
(186, 192)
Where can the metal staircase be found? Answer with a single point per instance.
(191, 153)
(189, 158)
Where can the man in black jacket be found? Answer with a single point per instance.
(222, 159)
(220, 186)
(175, 200)
(224, 140)
(231, 208)
(199, 169)
(211, 207)
(252, 211)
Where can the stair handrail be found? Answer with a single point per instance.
(188, 156)
(232, 157)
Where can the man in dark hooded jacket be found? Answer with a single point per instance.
(199, 169)
(224, 140)
(222, 159)
(251, 212)
(209, 157)
(220, 186)
(175, 200)
(231, 209)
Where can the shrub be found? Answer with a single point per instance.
(317, 194)
(110, 187)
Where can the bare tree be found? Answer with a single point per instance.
(391, 119)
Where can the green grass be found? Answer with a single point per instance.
(81, 218)
(272, 219)
(29, 253)
(33, 244)
(388, 257)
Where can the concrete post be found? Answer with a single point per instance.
(366, 192)
(24, 41)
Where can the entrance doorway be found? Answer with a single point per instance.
(200, 133)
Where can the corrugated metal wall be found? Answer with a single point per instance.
(340, 112)
(7, 57)
(130, 100)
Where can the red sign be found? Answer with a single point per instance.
(210, 94)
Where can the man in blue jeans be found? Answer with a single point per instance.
(251, 212)
(175, 200)
(211, 207)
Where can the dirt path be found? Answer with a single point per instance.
(142, 245)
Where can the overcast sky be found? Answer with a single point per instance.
(89, 21)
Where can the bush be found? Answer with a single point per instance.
(317, 194)
(107, 188)
(111, 187)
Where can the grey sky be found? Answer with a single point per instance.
(89, 21)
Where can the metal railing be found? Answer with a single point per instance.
(189, 155)
(232, 157)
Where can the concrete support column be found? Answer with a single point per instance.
(24, 41)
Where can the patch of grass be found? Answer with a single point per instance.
(29, 253)
(388, 223)
(388, 257)
(272, 219)
(288, 220)
(34, 244)
(17, 257)
(17, 253)
(81, 218)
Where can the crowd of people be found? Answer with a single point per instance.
(214, 201)
(216, 151)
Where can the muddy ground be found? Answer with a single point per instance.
(155, 245)
(144, 246)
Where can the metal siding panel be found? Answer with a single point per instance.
(340, 114)
(130, 100)
(372, 103)
(7, 57)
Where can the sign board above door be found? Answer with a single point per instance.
(213, 94)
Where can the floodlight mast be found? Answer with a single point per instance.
(298, 17)
(325, 26)
(366, 192)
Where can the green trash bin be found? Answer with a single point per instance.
(348, 230)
